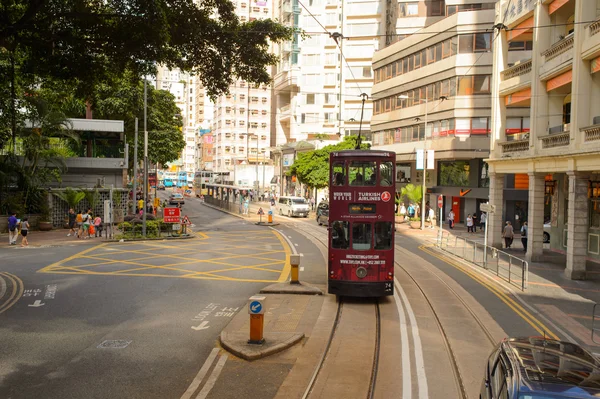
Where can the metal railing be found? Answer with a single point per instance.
(522, 68)
(506, 266)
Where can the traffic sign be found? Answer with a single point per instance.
(440, 201)
(489, 208)
(260, 212)
(186, 220)
(171, 215)
(256, 305)
(386, 196)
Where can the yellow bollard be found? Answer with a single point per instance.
(270, 217)
(295, 273)
(256, 309)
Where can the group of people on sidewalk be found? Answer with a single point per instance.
(84, 224)
(471, 221)
(17, 227)
(509, 234)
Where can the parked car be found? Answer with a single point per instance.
(161, 186)
(323, 213)
(293, 206)
(176, 199)
(540, 368)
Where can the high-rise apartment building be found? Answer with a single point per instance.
(544, 162)
(241, 122)
(317, 90)
(432, 95)
(189, 97)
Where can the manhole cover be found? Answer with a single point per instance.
(114, 343)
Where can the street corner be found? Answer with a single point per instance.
(258, 256)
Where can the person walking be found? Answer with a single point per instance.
(13, 231)
(72, 220)
(85, 225)
(410, 211)
(469, 223)
(451, 219)
(98, 226)
(246, 205)
(312, 203)
(403, 211)
(524, 232)
(483, 221)
(431, 217)
(24, 231)
(79, 221)
(508, 234)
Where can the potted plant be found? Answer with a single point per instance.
(45, 223)
(72, 198)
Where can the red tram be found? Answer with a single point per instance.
(361, 223)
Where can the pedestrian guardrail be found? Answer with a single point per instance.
(506, 266)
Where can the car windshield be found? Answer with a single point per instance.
(299, 201)
(176, 195)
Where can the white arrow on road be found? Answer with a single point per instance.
(202, 326)
(37, 304)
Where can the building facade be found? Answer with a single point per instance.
(433, 92)
(549, 159)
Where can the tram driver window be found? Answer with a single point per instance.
(339, 235)
(383, 235)
(361, 236)
(386, 174)
(339, 174)
(362, 173)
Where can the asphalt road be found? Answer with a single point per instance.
(123, 320)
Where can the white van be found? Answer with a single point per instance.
(293, 206)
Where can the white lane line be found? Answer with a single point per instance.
(203, 370)
(293, 248)
(296, 244)
(419, 361)
(406, 376)
(210, 383)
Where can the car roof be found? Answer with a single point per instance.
(554, 367)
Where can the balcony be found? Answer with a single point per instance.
(514, 146)
(284, 80)
(556, 140)
(286, 8)
(592, 133)
(516, 77)
(519, 69)
(591, 42)
(558, 57)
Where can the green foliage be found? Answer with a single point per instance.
(71, 196)
(92, 197)
(412, 192)
(312, 167)
(454, 173)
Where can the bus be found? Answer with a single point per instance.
(361, 223)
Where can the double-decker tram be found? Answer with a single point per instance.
(361, 223)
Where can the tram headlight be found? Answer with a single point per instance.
(361, 272)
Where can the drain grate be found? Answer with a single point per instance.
(114, 344)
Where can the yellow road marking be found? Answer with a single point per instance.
(511, 303)
(76, 255)
(245, 280)
(288, 267)
(17, 291)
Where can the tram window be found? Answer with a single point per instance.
(339, 174)
(339, 235)
(362, 174)
(386, 176)
(383, 235)
(361, 236)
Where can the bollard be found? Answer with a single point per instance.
(295, 262)
(256, 309)
(270, 217)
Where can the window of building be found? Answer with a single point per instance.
(483, 42)
(520, 46)
(310, 99)
(435, 8)
(408, 9)
(367, 72)
(403, 171)
(454, 173)
(339, 235)
(484, 176)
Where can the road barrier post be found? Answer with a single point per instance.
(256, 309)
(295, 263)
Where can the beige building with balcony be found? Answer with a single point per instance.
(545, 141)
(441, 75)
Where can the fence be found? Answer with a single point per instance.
(226, 204)
(506, 266)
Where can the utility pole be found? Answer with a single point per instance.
(135, 165)
(145, 158)
(362, 110)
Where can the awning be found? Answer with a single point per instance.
(518, 98)
(556, 5)
(595, 65)
(524, 28)
(560, 80)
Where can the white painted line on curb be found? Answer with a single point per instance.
(200, 376)
(210, 383)
(406, 377)
(419, 362)
(295, 244)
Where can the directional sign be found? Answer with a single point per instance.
(489, 208)
(202, 326)
(171, 215)
(256, 305)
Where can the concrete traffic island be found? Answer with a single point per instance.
(291, 289)
(287, 320)
(266, 224)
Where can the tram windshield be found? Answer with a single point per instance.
(362, 173)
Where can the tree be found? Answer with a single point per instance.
(70, 196)
(312, 167)
(412, 192)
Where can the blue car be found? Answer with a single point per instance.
(540, 368)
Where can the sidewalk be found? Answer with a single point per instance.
(55, 237)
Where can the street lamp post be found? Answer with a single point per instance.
(145, 158)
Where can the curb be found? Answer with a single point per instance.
(292, 289)
(237, 344)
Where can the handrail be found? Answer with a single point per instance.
(517, 70)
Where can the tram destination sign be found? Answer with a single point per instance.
(362, 209)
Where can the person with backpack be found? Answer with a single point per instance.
(524, 236)
(13, 231)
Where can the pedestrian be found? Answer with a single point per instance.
(431, 217)
(312, 204)
(24, 231)
(13, 231)
(469, 223)
(403, 211)
(79, 221)
(508, 234)
(246, 204)
(98, 226)
(524, 232)
(72, 221)
(410, 211)
(474, 229)
(451, 219)
(86, 225)
(140, 205)
(483, 220)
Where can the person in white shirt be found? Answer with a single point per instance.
(451, 219)
(470, 224)
(483, 220)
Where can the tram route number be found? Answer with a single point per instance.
(388, 287)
